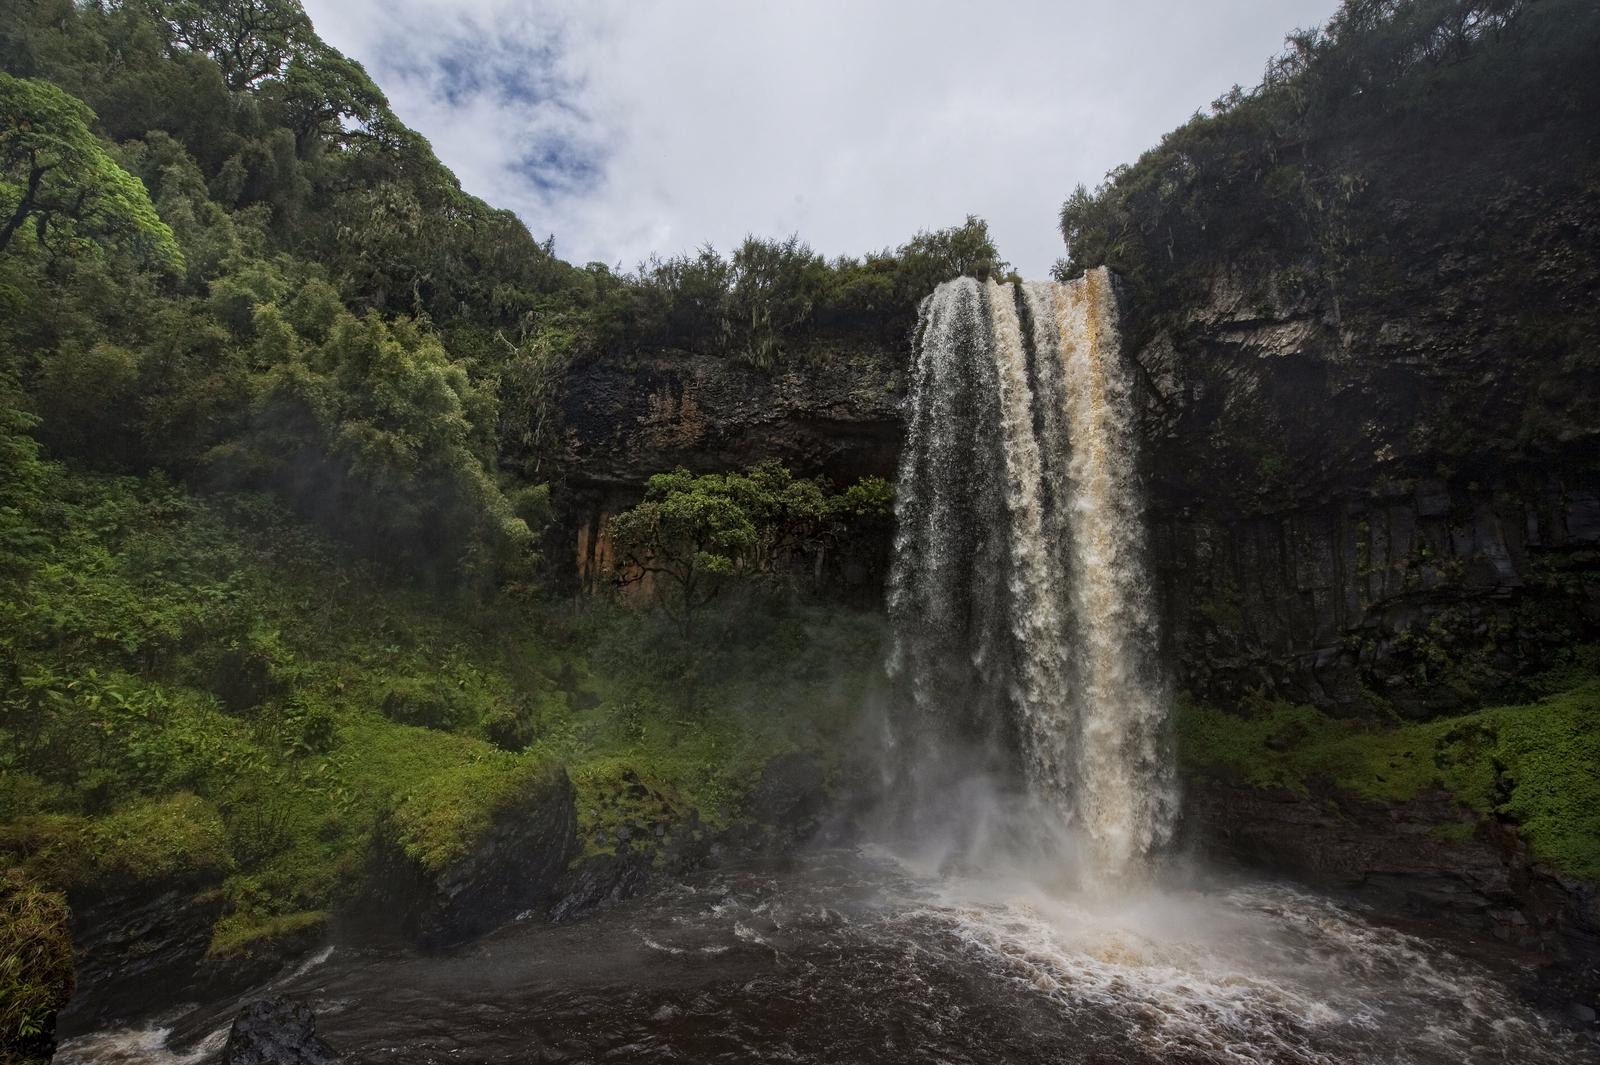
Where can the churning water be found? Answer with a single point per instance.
(858, 957)
(1020, 592)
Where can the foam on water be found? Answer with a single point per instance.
(1256, 973)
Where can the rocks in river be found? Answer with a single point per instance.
(790, 796)
(785, 808)
(134, 943)
(276, 1031)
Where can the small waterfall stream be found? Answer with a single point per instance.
(1020, 594)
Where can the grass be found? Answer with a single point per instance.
(1535, 766)
(36, 977)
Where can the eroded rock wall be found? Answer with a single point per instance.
(831, 411)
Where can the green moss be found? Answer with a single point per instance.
(178, 837)
(239, 934)
(443, 816)
(614, 796)
(1533, 765)
(1457, 832)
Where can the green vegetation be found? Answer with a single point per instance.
(692, 537)
(60, 183)
(691, 728)
(1533, 766)
(770, 298)
(36, 977)
(277, 419)
(201, 691)
(1380, 98)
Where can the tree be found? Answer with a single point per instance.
(930, 258)
(249, 39)
(57, 174)
(691, 537)
(380, 435)
(328, 97)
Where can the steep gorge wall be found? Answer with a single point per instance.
(1389, 502)
(1346, 509)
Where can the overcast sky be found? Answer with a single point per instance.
(625, 128)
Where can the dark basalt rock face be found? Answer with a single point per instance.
(128, 942)
(1417, 595)
(139, 949)
(834, 412)
(1382, 491)
(513, 868)
(276, 1031)
(831, 411)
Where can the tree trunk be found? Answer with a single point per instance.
(24, 207)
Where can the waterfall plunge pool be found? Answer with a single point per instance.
(856, 956)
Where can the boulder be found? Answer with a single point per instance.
(512, 868)
(276, 1031)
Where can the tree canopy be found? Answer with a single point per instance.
(58, 180)
(691, 537)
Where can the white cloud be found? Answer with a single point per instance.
(854, 124)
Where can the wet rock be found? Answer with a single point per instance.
(600, 880)
(276, 1031)
(786, 808)
(513, 867)
(1394, 857)
(790, 797)
(135, 948)
(260, 960)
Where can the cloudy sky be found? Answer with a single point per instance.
(626, 127)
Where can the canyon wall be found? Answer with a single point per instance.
(1373, 511)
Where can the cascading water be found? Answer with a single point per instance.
(1020, 592)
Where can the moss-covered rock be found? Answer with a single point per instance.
(1534, 768)
(471, 850)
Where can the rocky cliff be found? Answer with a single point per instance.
(833, 411)
(1346, 507)
(1386, 499)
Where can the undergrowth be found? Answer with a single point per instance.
(199, 690)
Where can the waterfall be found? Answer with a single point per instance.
(1020, 594)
